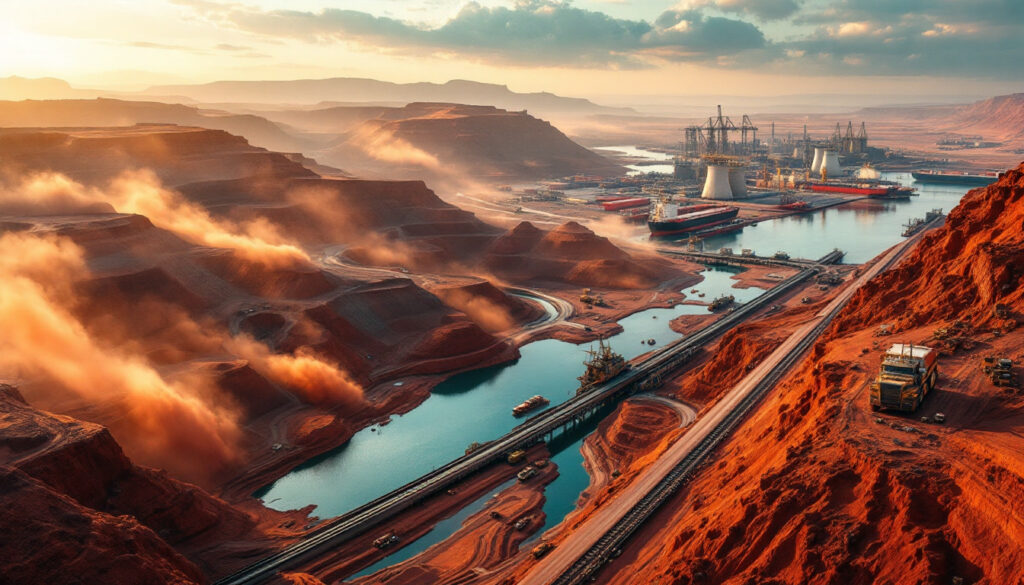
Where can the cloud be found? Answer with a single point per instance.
(824, 37)
(761, 9)
(531, 32)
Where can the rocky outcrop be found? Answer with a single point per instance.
(959, 272)
(72, 494)
(571, 253)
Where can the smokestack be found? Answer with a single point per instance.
(738, 181)
(717, 184)
(819, 154)
(830, 162)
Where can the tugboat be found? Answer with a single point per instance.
(604, 364)
(530, 404)
(721, 302)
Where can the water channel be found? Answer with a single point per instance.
(476, 405)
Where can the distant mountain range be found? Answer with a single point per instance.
(322, 92)
(350, 89)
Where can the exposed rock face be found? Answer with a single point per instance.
(958, 272)
(814, 488)
(573, 254)
(76, 508)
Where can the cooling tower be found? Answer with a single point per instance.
(819, 154)
(738, 182)
(717, 184)
(830, 163)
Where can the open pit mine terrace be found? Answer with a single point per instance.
(644, 375)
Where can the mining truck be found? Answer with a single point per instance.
(908, 373)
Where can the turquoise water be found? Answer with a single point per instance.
(476, 406)
(471, 406)
(863, 229)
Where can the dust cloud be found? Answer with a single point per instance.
(483, 311)
(175, 423)
(312, 377)
(383, 145)
(141, 192)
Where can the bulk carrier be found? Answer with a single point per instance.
(955, 177)
(669, 219)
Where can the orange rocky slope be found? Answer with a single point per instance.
(814, 488)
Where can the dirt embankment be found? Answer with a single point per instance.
(815, 488)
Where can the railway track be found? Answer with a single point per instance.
(533, 430)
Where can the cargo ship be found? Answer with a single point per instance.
(955, 177)
(530, 404)
(626, 203)
(668, 219)
(870, 188)
(603, 365)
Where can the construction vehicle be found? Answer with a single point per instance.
(1000, 372)
(516, 456)
(386, 540)
(603, 365)
(907, 374)
(588, 298)
(522, 523)
(526, 473)
(541, 549)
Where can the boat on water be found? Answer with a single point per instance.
(603, 365)
(721, 302)
(955, 177)
(669, 218)
(530, 404)
(875, 189)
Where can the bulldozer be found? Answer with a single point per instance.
(589, 298)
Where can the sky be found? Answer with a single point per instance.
(582, 48)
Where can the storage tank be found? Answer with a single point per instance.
(738, 181)
(717, 184)
(830, 162)
(819, 154)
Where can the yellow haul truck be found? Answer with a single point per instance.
(908, 373)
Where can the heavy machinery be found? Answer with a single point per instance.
(908, 373)
(516, 456)
(542, 549)
(603, 365)
(589, 298)
(999, 371)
